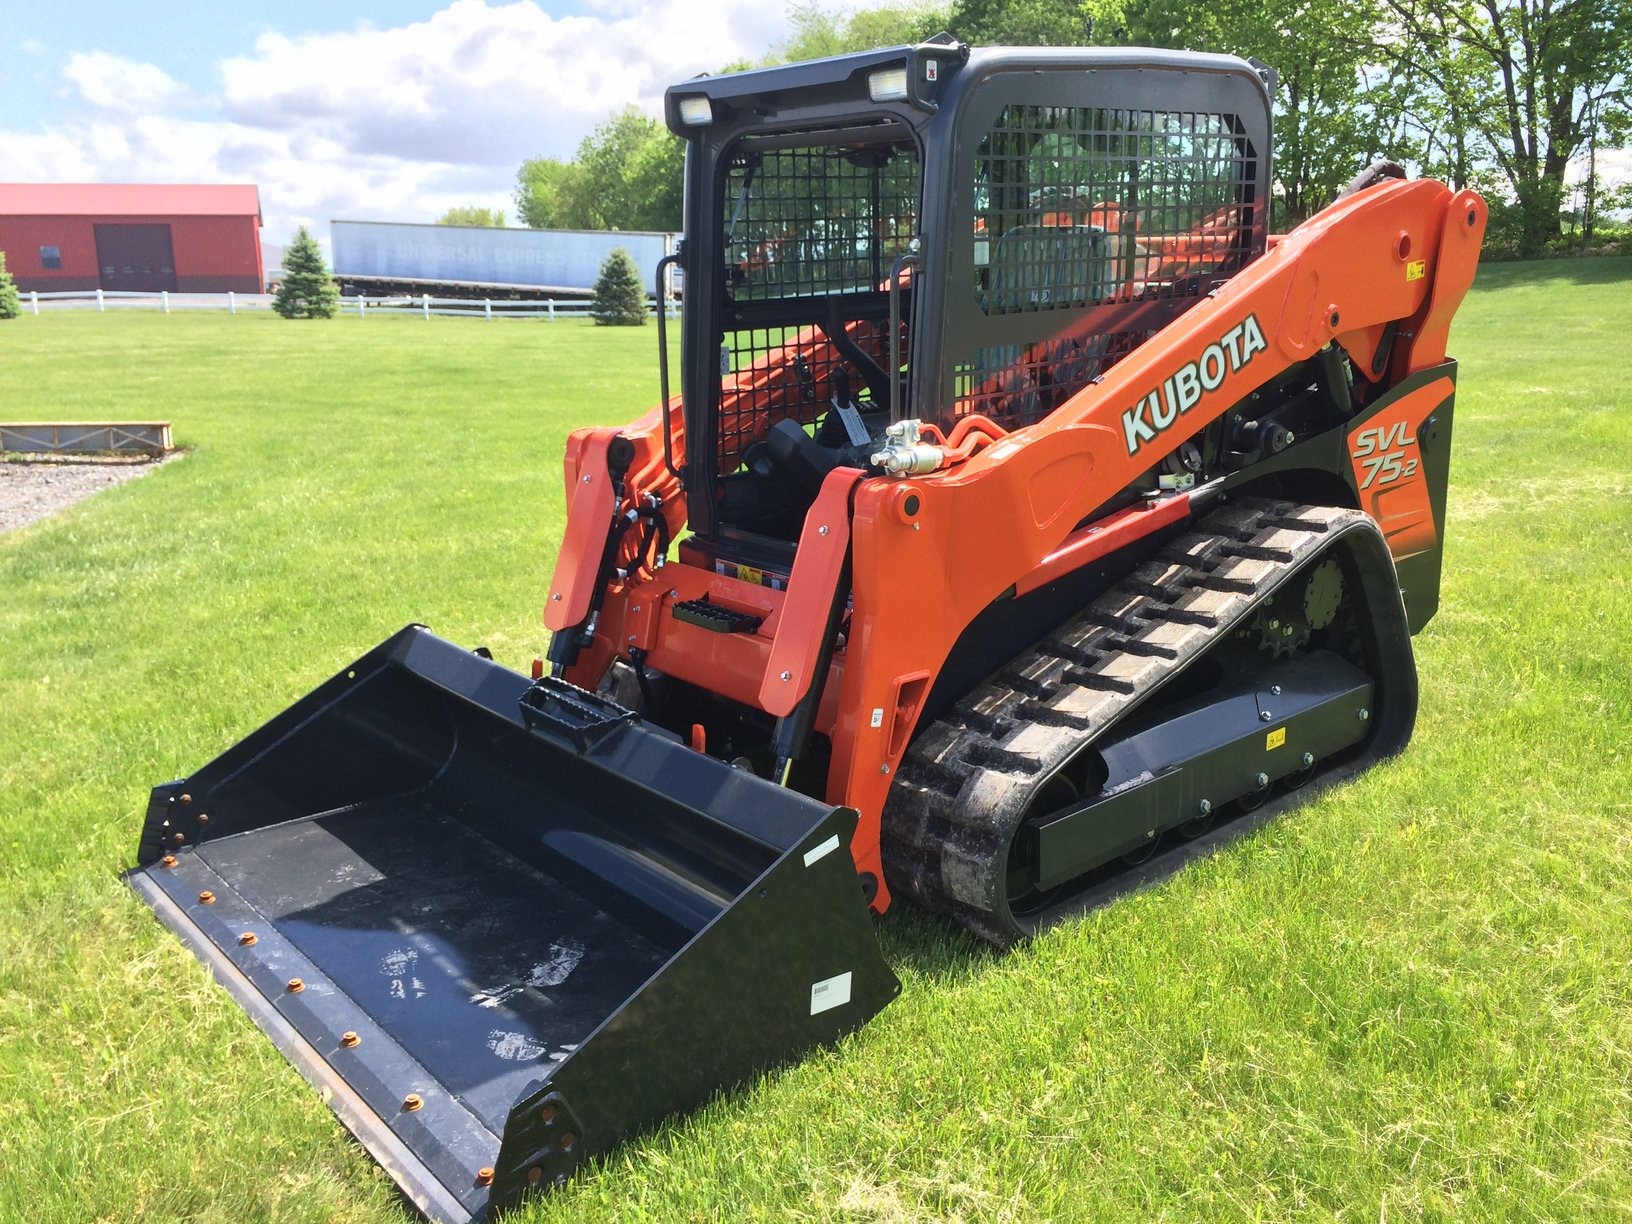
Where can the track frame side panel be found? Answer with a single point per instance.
(970, 779)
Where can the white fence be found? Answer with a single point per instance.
(423, 305)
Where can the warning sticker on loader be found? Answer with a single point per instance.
(1275, 738)
(747, 573)
(1416, 269)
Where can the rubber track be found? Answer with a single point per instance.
(968, 781)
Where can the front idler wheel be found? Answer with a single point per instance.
(1023, 897)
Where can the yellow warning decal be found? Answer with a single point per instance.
(747, 573)
(1275, 738)
(1416, 269)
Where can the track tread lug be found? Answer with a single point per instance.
(1145, 648)
(1219, 582)
(1099, 680)
(1262, 552)
(1068, 653)
(995, 757)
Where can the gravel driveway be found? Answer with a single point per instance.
(33, 490)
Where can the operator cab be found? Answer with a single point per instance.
(1019, 219)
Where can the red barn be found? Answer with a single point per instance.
(135, 236)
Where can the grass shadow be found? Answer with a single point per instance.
(935, 947)
(1573, 270)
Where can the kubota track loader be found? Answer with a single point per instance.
(1024, 503)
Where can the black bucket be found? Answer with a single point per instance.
(503, 925)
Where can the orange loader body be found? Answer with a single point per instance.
(932, 551)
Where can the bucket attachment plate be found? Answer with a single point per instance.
(503, 925)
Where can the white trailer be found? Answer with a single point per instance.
(375, 256)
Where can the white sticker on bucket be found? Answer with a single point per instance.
(828, 994)
(817, 853)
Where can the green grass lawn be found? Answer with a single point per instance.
(1410, 999)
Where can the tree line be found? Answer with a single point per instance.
(1499, 95)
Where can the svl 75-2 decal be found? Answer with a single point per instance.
(1380, 454)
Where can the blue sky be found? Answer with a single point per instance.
(186, 41)
(366, 109)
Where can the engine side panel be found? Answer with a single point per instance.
(1401, 458)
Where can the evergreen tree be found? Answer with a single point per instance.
(307, 291)
(620, 300)
(10, 304)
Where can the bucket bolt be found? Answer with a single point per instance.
(349, 1040)
(247, 939)
(206, 897)
(484, 1176)
(168, 860)
(296, 985)
(411, 1102)
(1263, 780)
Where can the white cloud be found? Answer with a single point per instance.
(1614, 166)
(475, 83)
(303, 179)
(392, 124)
(113, 82)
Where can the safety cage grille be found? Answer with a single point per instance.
(817, 221)
(1100, 225)
(811, 235)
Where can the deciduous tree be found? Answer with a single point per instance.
(1022, 23)
(819, 32)
(469, 214)
(626, 176)
(1528, 81)
(547, 194)
(1332, 116)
